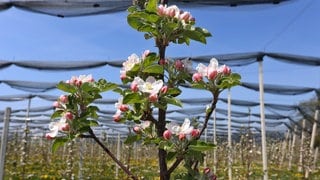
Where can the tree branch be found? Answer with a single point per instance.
(122, 166)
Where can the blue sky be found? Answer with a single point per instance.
(290, 27)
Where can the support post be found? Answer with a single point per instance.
(292, 147)
(229, 137)
(214, 142)
(262, 119)
(4, 139)
(313, 137)
(300, 168)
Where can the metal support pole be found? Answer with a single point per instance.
(4, 139)
(262, 119)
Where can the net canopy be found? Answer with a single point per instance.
(70, 8)
(247, 116)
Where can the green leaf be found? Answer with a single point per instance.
(155, 69)
(132, 138)
(132, 9)
(58, 142)
(195, 35)
(132, 98)
(152, 6)
(106, 86)
(199, 85)
(150, 59)
(173, 101)
(174, 91)
(171, 155)
(93, 123)
(201, 146)
(56, 114)
(66, 87)
(135, 21)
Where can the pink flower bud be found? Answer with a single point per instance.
(185, 16)
(162, 62)
(153, 97)
(49, 137)
(56, 104)
(167, 134)
(178, 65)
(164, 89)
(225, 70)
(207, 171)
(145, 54)
(197, 77)
(134, 86)
(78, 83)
(68, 116)
(212, 74)
(91, 79)
(123, 108)
(161, 10)
(182, 136)
(123, 76)
(117, 116)
(195, 133)
(137, 129)
(65, 127)
(63, 99)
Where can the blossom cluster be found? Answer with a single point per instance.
(185, 131)
(150, 87)
(174, 12)
(132, 60)
(211, 72)
(63, 125)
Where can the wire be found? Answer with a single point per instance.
(293, 20)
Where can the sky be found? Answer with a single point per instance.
(289, 27)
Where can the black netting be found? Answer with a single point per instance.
(70, 8)
(279, 89)
(65, 65)
(30, 86)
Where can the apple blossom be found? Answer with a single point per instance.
(185, 128)
(77, 81)
(132, 60)
(140, 127)
(55, 127)
(151, 85)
